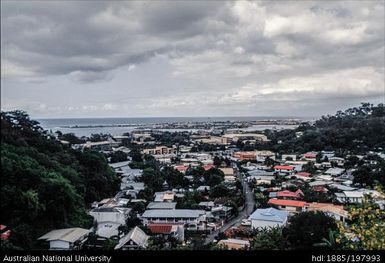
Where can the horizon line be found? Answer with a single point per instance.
(148, 117)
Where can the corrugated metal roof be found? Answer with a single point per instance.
(269, 214)
(67, 234)
(161, 205)
(137, 235)
(182, 213)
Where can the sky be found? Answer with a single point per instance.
(190, 58)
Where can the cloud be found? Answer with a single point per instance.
(146, 56)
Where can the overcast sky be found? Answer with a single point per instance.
(190, 58)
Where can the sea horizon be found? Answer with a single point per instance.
(120, 125)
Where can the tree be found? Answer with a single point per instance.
(269, 239)
(71, 138)
(269, 162)
(174, 178)
(45, 185)
(219, 190)
(118, 156)
(217, 161)
(363, 176)
(99, 137)
(136, 155)
(309, 168)
(308, 228)
(213, 177)
(329, 242)
(366, 231)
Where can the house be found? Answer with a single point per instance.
(206, 205)
(310, 156)
(193, 219)
(286, 194)
(245, 156)
(181, 168)
(66, 239)
(260, 179)
(99, 146)
(335, 171)
(287, 169)
(108, 220)
(160, 150)
(268, 217)
(222, 212)
(350, 197)
(319, 189)
(110, 214)
(341, 187)
(203, 188)
(228, 138)
(129, 185)
(291, 206)
(167, 196)
(229, 174)
(134, 240)
(168, 230)
(120, 138)
(304, 174)
(292, 157)
(161, 205)
(337, 160)
(335, 211)
(261, 156)
(234, 244)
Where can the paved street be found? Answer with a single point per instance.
(245, 213)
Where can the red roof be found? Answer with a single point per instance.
(160, 228)
(283, 167)
(5, 235)
(319, 188)
(310, 155)
(305, 174)
(181, 168)
(287, 193)
(294, 203)
(208, 166)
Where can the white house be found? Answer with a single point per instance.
(335, 171)
(134, 240)
(66, 239)
(108, 219)
(350, 197)
(269, 217)
(193, 219)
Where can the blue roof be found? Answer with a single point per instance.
(269, 214)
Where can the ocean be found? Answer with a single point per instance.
(118, 126)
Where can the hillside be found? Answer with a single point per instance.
(45, 185)
(356, 130)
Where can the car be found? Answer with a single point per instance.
(246, 222)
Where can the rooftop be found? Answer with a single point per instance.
(286, 202)
(269, 214)
(182, 213)
(161, 205)
(67, 234)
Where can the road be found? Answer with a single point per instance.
(245, 213)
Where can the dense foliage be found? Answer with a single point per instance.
(44, 184)
(359, 129)
(307, 229)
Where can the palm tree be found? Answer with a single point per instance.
(329, 242)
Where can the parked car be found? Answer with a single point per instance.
(246, 222)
